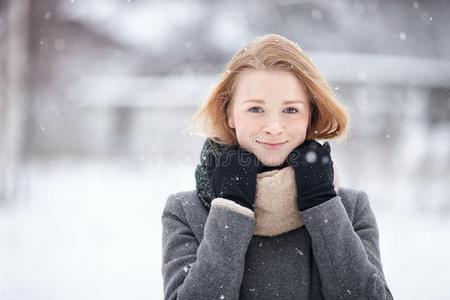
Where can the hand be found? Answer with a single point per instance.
(233, 175)
(314, 174)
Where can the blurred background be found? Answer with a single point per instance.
(95, 102)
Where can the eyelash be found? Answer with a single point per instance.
(250, 109)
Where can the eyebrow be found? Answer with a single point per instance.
(262, 101)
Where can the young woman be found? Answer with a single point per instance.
(268, 219)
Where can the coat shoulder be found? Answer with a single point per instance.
(350, 198)
(187, 207)
(177, 202)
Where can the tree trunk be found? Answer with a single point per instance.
(14, 53)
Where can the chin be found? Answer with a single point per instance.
(273, 162)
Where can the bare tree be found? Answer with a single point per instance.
(13, 70)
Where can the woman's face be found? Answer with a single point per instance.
(270, 113)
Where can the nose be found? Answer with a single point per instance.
(273, 126)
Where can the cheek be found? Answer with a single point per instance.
(297, 132)
(243, 123)
(300, 127)
(246, 131)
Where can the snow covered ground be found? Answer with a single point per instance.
(93, 231)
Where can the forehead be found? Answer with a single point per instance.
(268, 84)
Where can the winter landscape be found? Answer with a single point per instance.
(95, 103)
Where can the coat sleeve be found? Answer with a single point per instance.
(347, 252)
(213, 268)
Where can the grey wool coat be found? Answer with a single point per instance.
(215, 255)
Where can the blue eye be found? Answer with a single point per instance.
(296, 110)
(257, 109)
(251, 108)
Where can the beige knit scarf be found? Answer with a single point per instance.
(276, 209)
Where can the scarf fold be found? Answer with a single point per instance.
(276, 209)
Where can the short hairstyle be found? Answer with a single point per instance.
(328, 117)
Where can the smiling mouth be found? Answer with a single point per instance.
(272, 144)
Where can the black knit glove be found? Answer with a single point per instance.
(233, 175)
(314, 174)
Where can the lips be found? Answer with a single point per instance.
(272, 143)
(272, 146)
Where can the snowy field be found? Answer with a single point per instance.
(93, 231)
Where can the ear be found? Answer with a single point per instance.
(230, 119)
